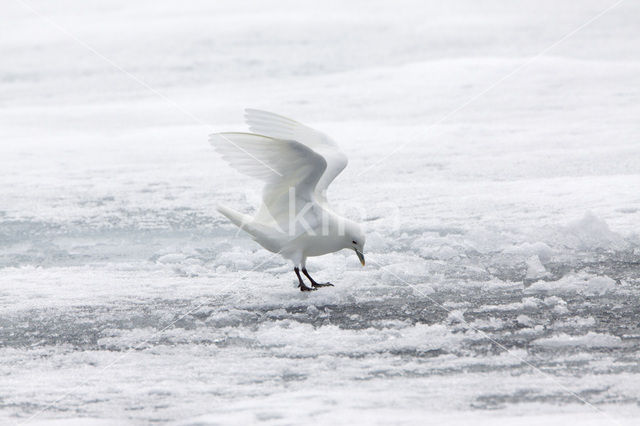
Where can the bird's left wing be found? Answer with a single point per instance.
(278, 126)
(282, 165)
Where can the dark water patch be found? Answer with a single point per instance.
(500, 400)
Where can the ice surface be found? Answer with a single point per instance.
(502, 277)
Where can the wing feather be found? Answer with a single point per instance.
(281, 164)
(278, 126)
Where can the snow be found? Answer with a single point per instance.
(502, 235)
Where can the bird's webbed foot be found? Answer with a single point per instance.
(303, 287)
(327, 284)
(315, 284)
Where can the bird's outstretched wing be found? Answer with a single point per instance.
(277, 126)
(281, 164)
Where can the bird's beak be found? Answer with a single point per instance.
(360, 256)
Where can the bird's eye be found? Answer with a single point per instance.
(354, 242)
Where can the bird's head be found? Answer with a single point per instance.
(354, 239)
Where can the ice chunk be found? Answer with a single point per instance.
(456, 316)
(600, 285)
(489, 323)
(575, 322)
(535, 268)
(591, 340)
(589, 233)
(585, 284)
(528, 303)
(524, 320)
(539, 249)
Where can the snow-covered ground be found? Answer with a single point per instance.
(503, 246)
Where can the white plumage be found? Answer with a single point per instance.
(296, 164)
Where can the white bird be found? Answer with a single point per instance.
(297, 164)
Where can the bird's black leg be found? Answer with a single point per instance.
(302, 285)
(313, 282)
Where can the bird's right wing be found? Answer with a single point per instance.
(281, 164)
(278, 126)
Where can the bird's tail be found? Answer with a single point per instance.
(237, 218)
(264, 235)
